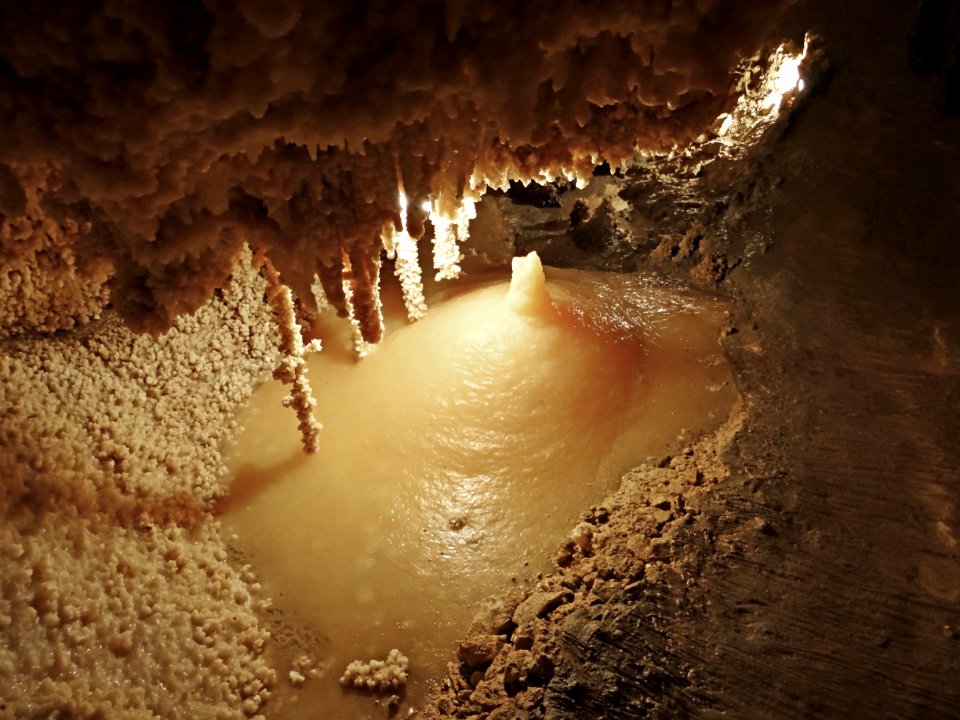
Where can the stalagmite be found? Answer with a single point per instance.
(528, 286)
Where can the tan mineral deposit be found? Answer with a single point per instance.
(537, 361)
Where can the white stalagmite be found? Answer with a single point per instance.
(528, 286)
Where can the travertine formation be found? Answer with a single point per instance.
(166, 135)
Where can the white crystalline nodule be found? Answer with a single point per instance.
(378, 675)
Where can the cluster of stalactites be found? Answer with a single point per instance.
(444, 203)
(198, 127)
(347, 277)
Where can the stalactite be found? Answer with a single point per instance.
(292, 368)
(331, 280)
(365, 292)
(360, 346)
(407, 269)
(446, 252)
(402, 249)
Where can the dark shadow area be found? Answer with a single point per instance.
(247, 483)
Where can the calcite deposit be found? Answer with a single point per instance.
(145, 151)
(116, 595)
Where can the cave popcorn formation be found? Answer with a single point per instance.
(389, 674)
